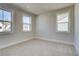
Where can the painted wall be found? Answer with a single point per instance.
(77, 27)
(46, 26)
(17, 34)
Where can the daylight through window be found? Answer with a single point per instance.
(63, 22)
(5, 21)
(26, 23)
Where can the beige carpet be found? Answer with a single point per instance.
(37, 47)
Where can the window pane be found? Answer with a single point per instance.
(5, 23)
(26, 27)
(62, 22)
(62, 17)
(1, 18)
(7, 16)
(27, 19)
(7, 26)
(63, 27)
(1, 27)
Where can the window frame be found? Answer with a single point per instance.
(63, 22)
(30, 25)
(8, 10)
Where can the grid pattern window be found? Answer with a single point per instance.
(63, 22)
(5, 21)
(26, 23)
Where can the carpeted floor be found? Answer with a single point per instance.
(37, 47)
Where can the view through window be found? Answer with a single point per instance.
(5, 21)
(63, 22)
(26, 23)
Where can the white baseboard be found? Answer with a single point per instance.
(57, 41)
(14, 43)
(42, 38)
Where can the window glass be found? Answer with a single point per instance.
(26, 23)
(26, 19)
(7, 16)
(7, 26)
(5, 21)
(1, 27)
(26, 27)
(62, 22)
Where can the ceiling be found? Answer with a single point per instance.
(38, 8)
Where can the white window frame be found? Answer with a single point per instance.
(8, 10)
(30, 25)
(68, 22)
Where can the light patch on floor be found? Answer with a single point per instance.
(37, 47)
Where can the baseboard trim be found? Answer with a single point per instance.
(57, 41)
(14, 43)
(42, 38)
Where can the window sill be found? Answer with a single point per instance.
(63, 31)
(27, 31)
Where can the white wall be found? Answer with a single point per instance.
(46, 26)
(17, 34)
(77, 27)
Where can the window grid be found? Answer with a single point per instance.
(63, 22)
(5, 24)
(26, 23)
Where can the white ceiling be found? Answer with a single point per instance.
(38, 8)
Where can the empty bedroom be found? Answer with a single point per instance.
(39, 29)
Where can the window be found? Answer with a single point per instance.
(26, 23)
(5, 21)
(63, 22)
